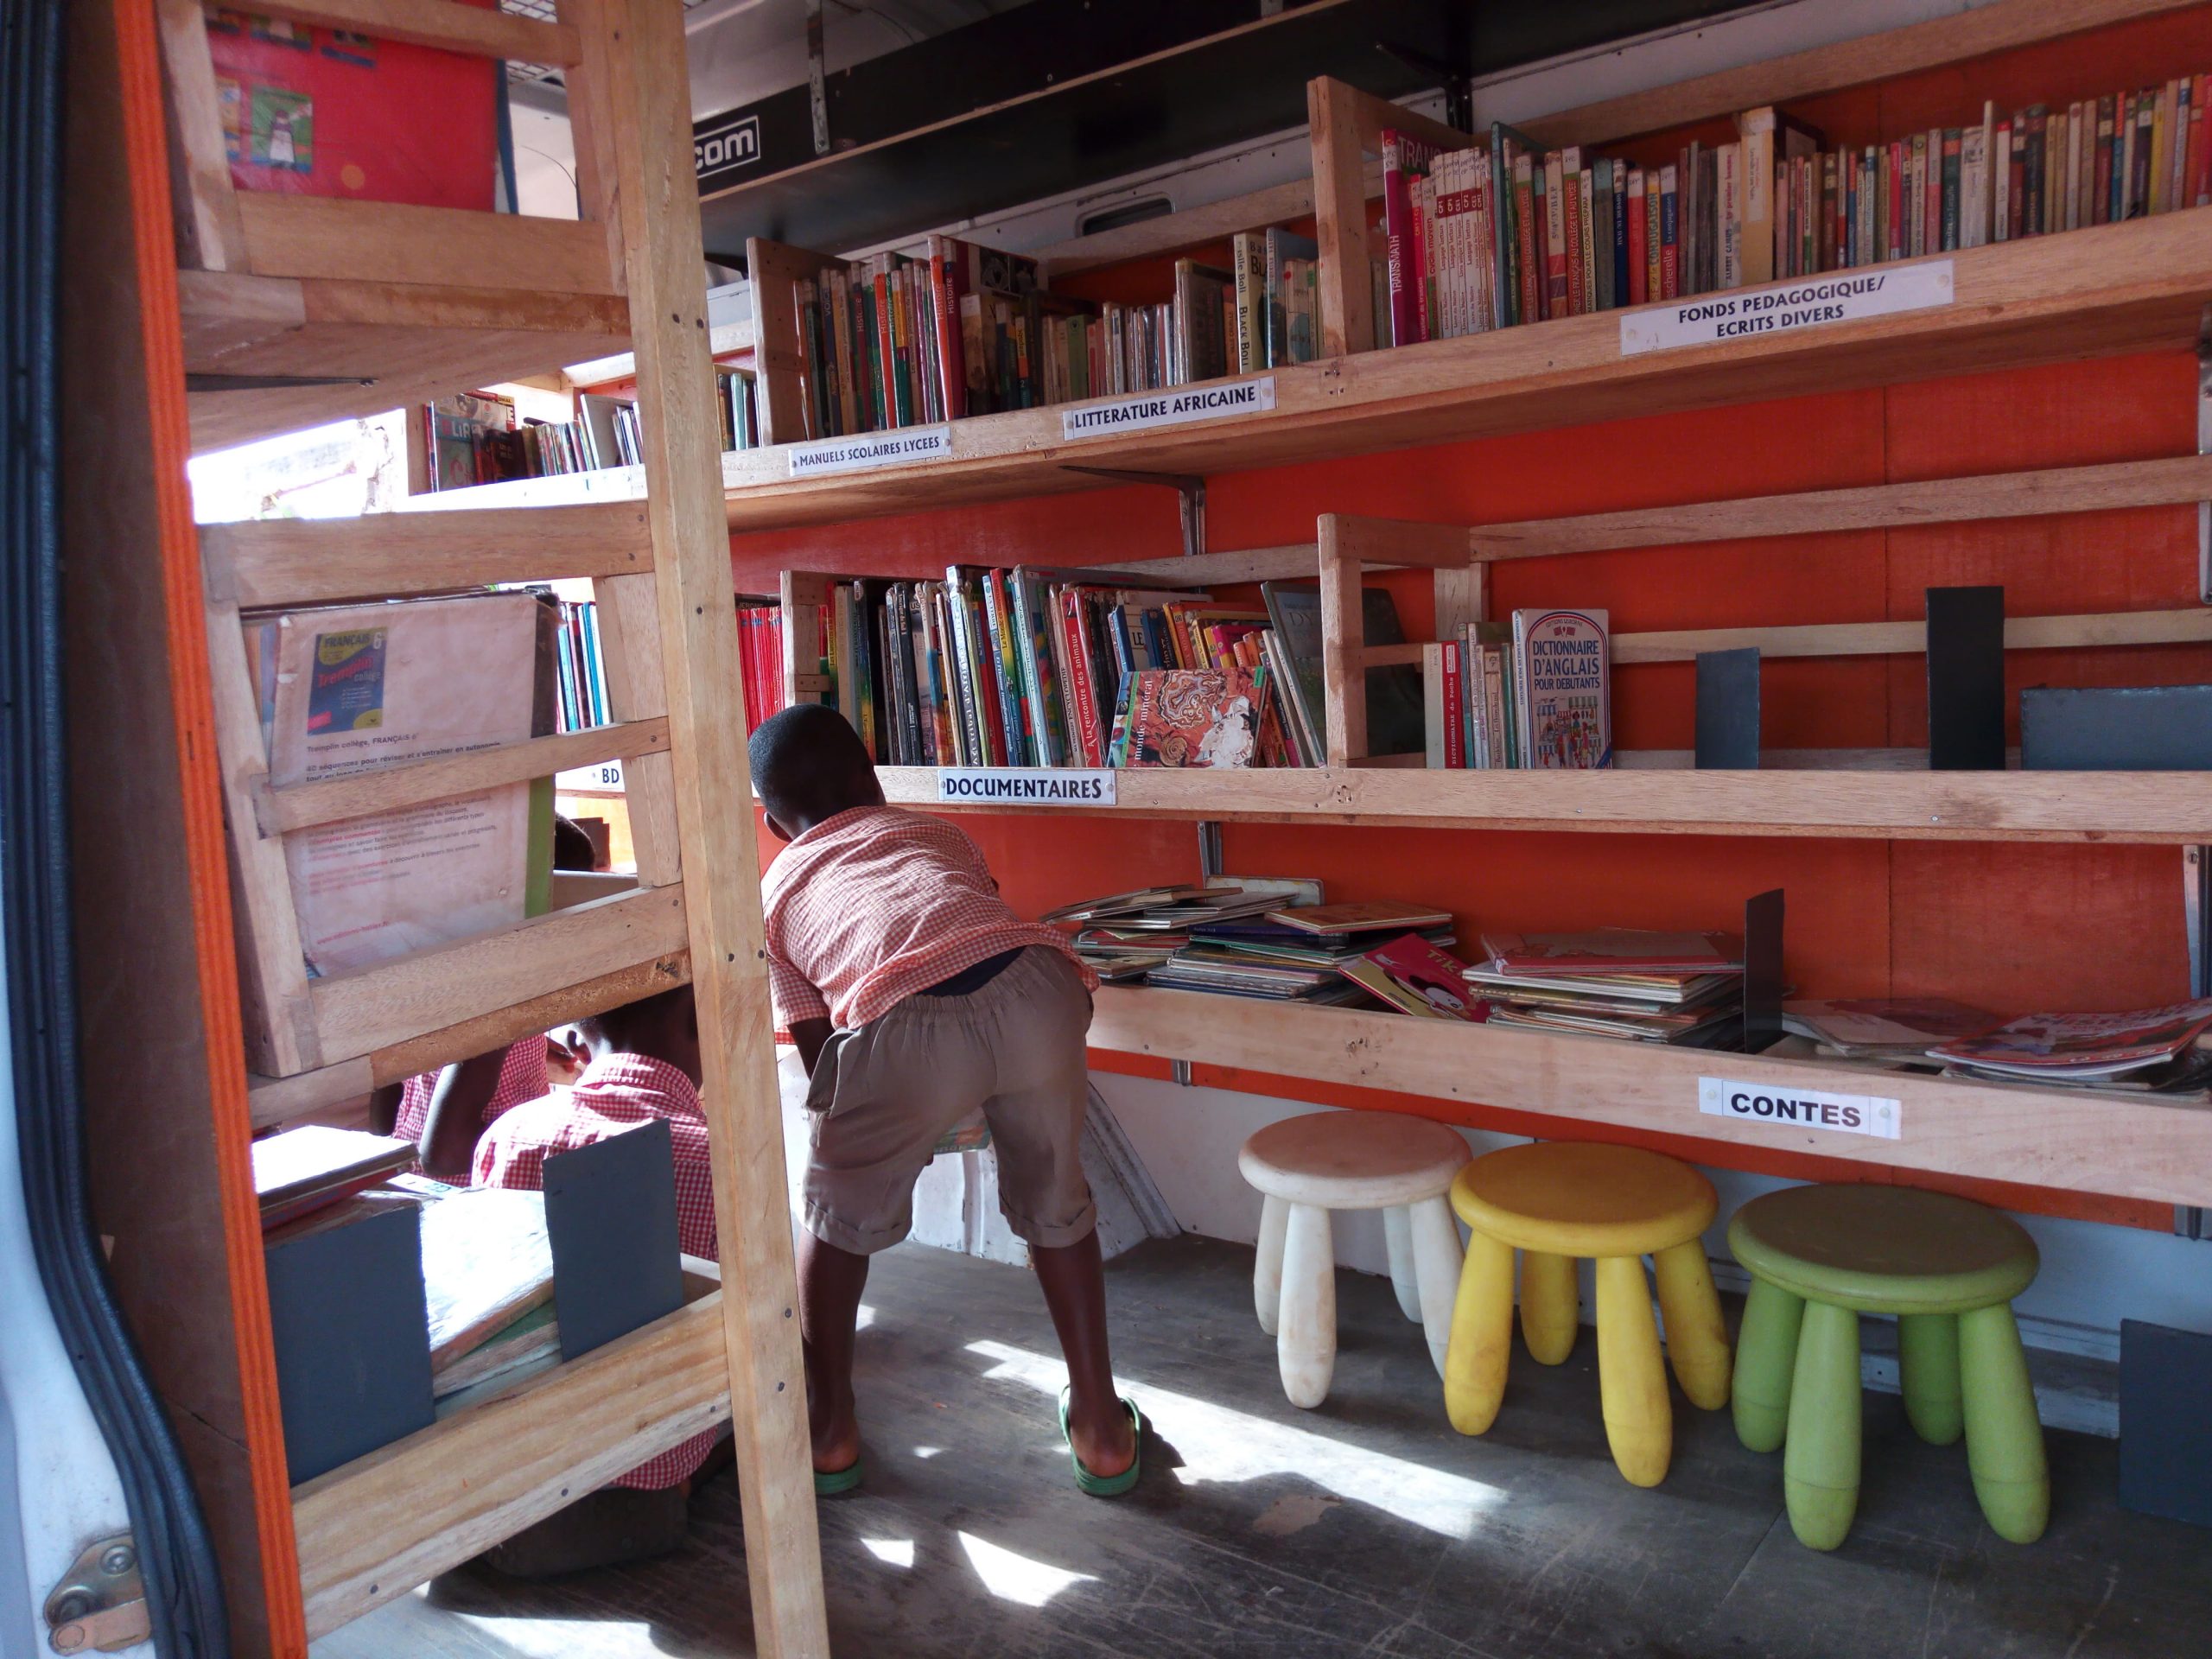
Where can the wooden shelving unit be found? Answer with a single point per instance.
(2126, 1145)
(632, 272)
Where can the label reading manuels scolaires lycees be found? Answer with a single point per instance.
(1175, 406)
(1778, 1107)
(821, 456)
(1839, 296)
(1009, 787)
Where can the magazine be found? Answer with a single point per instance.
(2082, 1045)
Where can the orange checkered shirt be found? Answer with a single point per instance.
(875, 903)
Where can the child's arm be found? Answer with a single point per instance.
(384, 1108)
(455, 1115)
(808, 1036)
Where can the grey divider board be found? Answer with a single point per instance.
(1965, 679)
(1728, 710)
(610, 1214)
(1762, 971)
(2166, 1434)
(2117, 728)
(351, 1328)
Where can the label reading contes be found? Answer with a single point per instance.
(1022, 786)
(1780, 1107)
(1805, 302)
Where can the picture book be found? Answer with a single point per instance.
(1563, 683)
(1396, 714)
(1612, 950)
(1189, 717)
(1372, 916)
(1879, 1024)
(1414, 977)
(2082, 1045)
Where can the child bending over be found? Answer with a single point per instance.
(915, 996)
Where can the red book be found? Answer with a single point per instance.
(1082, 689)
(948, 281)
(1402, 157)
(1414, 977)
(1417, 265)
(1638, 243)
(1931, 196)
(1894, 233)
(2198, 182)
(1455, 708)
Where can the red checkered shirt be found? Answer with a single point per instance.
(617, 1092)
(522, 1076)
(875, 903)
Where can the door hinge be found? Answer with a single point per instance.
(99, 1607)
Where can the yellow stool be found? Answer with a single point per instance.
(1557, 1201)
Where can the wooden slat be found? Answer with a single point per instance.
(1388, 656)
(1967, 34)
(1880, 506)
(380, 1005)
(209, 233)
(274, 1101)
(2162, 808)
(389, 788)
(2133, 287)
(634, 72)
(313, 561)
(374, 1529)
(637, 689)
(1209, 222)
(399, 242)
(2129, 1146)
(1880, 638)
(780, 366)
(1344, 683)
(440, 24)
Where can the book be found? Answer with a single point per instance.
(1563, 681)
(357, 688)
(296, 1171)
(1189, 717)
(486, 1261)
(1416, 977)
(2081, 1046)
(1886, 1025)
(1395, 720)
(1367, 917)
(1121, 904)
(1612, 950)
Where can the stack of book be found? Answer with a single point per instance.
(1046, 668)
(1626, 982)
(2151, 1050)
(1130, 933)
(1506, 232)
(1885, 1027)
(1536, 692)
(1276, 300)
(302, 1170)
(760, 659)
(1312, 953)
(580, 666)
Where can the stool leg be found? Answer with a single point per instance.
(1482, 1336)
(1631, 1379)
(2004, 1439)
(1697, 1336)
(1928, 1361)
(1435, 1245)
(1551, 1305)
(1820, 1467)
(1305, 1348)
(1766, 1350)
(1397, 1235)
(1266, 1270)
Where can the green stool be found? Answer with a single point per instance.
(1820, 1257)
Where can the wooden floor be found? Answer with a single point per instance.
(1367, 1526)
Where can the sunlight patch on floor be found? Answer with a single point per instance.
(1219, 1445)
(1016, 1578)
(893, 1551)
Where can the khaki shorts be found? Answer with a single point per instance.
(884, 1095)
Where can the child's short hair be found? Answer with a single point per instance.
(808, 764)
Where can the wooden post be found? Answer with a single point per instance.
(802, 594)
(208, 233)
(779, 358)
(1343, 637)
(637, 689)
(634, 67)
(1347, 288)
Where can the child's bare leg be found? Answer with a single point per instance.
(831, 1281)
(1073, 1278)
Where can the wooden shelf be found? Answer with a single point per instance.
(2135, 287)
(335, 349)
(2166, 808)
(2125, 1145)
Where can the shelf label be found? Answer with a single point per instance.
(1175, 406)
(1779, 1108)
(821, 456)
(1839, 296)
(1023, 786)
(590, 780)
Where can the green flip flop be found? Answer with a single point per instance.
(1105, 1486)
(829, 1483)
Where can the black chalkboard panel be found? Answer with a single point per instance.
(2117, 728)
(1965, 679)
(1728, 710)
(2165, 1435)
(610, 1214)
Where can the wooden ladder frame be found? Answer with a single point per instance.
(662, 576)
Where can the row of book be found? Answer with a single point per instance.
(1506, 230)
(1028, 667)
(475, 438)
(581, 666)
(761, 660)
(1535, 692)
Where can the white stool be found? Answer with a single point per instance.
(1306, 1167)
